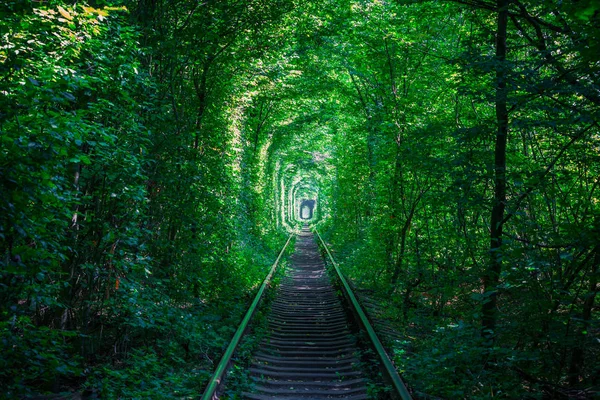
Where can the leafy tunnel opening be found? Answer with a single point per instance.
(307, 209)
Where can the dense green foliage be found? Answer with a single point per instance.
(118, 244)
(153, 155)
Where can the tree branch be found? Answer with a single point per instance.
(545, 173)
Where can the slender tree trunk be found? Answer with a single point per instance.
(396, 190)
(576, 368)
(492, 274)
(201, 94)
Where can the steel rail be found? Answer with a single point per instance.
(400, 388)
(210, 393)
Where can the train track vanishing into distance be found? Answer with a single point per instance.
(309, 352)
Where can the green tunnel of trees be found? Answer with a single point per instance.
(155, 154)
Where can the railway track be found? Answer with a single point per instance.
(309, 352)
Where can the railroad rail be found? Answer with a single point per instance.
(388, 369)
(309, 352)
(217, 378)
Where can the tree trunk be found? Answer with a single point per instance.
(201, 93)
(492, 275)
(576, 368)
